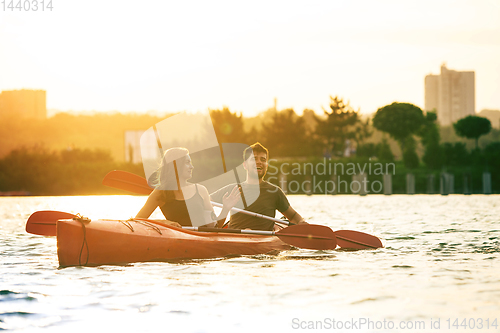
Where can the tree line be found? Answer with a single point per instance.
(341, 132)
(39, 171)
(71, 154)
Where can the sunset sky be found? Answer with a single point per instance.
(194, 55)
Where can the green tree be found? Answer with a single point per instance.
(381, 151)
(384, 152)
(492, 153)
(367, 150)
(455, 154)
(337, 127)
(472, 127)
(362, 131)
(286, 135)
(429, 132)
(401, 121)
(410, 156)
(228, 126)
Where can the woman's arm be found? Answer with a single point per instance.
(155, 200)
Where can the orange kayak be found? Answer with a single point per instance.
(117, 242)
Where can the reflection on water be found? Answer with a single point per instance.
(439, 262)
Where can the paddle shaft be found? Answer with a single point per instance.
(288, 223)
(307, 236)
(254, 232)
(238, 210)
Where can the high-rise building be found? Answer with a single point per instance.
(451, 94)
(23, 103)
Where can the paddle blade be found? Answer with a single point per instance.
(309, 236)
(127, 181)
(350, 239)
(44, 222)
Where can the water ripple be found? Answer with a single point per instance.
(439, 261)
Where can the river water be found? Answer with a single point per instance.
(439, 272)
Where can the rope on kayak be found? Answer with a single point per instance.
(144, 223)
(127, 224)
(152, 226)
(83, 220)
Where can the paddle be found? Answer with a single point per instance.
(127, 181)
(305, 236)
(44, 222)
(315, 237)
(347, 239)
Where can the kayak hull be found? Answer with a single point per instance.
(103, 242)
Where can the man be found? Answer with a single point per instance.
(258, 195)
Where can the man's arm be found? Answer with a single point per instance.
(293, 216)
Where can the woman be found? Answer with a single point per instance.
(180, 201)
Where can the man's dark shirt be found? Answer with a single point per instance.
(264, 199)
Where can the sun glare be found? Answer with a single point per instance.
(174, 56)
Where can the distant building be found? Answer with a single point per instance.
(492, 115)
(451, 94)
(23, 104)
